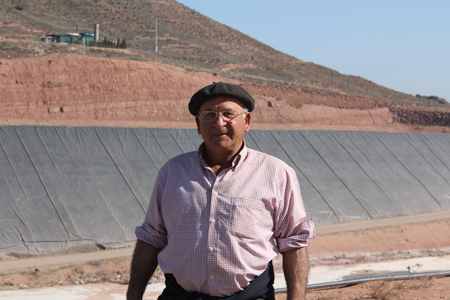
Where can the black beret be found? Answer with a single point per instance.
(220, 89)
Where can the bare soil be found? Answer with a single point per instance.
(77, 90)
(424, 289)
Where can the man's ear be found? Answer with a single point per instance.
(248, 118)
(197, 120)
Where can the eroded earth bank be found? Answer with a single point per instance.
(91, 91)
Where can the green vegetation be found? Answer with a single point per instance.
(433, 99)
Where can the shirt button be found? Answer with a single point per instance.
(215, 193)
(213, 220)
(212, 277)
(211, 249)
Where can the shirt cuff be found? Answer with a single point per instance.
(148, 234)
(300, 240)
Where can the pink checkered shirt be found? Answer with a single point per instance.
(217, 232)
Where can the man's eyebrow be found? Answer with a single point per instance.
(226, 109)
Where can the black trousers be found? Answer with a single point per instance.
(260, 288)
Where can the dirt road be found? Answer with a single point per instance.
(369, 226)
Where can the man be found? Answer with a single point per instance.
(218, 216)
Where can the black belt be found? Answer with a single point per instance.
(260, 288)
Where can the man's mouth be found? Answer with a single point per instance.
(220, 134)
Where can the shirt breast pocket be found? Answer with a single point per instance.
(251, 218)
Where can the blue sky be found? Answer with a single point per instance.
(401, 45)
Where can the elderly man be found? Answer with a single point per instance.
(219, 215)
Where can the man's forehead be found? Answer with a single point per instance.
(222, 101)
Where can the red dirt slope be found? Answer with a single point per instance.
(89, 91)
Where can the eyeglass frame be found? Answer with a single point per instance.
(220, 113)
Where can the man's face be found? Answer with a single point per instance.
(221, 136)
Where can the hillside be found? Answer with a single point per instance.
(188, 43)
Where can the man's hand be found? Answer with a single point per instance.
(295, 266)
(143, 265)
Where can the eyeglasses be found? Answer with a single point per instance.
(211, 116)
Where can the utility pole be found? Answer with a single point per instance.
(156, 34)
(396, 118)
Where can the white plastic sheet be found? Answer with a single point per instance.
(68, 186)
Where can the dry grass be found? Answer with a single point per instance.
(380, 290)
(390, 289)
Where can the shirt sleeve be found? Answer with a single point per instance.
(292, 229)
(153, 230)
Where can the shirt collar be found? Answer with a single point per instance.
(242, 154)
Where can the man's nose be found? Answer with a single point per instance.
(219, 121)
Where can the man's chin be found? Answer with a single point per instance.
(219, 146)
(220, 139)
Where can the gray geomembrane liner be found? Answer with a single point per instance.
(72, 186)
